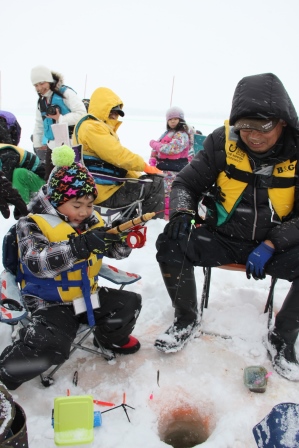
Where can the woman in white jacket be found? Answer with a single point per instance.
(57, 103)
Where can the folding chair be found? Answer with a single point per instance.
(125, 213)
(119, 213)
(233, 267)
(118, 277)
(13, 312)
(198, 142)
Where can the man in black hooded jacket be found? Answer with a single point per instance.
(248, 177)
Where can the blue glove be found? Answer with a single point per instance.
(256, 261)
(178, 226)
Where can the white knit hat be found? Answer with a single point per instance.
(40, 73)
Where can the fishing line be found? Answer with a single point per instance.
(180, 275)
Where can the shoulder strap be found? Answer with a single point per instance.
(85, 117)
(64, 87)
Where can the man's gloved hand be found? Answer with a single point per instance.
(178, 226)
(257, 259)
(9, 195)
(151, 169)
(155, 145)
(96, 241)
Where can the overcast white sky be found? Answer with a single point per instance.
(138, 47)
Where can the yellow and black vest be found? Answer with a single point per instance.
(238, 174)
(70, 284)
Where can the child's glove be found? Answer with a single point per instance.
(257, 259)
(155, 145)
(166, 139)
(96, 241)
(151, 169)
(119, 250)
(152, 161)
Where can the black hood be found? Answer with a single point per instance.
(263, 96)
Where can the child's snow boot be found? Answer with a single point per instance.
(132, 346)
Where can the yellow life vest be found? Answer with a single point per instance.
(55, 229)
(281, 189)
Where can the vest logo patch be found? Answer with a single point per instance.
(285, 168)
(235, 154)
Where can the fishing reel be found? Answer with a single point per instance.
(136, 237)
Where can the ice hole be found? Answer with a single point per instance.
(183, 427)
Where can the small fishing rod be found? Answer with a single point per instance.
(133, 222)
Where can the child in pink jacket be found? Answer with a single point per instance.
(173, 150)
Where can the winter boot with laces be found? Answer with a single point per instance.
(181, 287)
(175, 337)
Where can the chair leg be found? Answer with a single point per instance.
(270, 299)
(47, 380)
(205, 290)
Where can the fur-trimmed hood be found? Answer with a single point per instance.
(59, 80)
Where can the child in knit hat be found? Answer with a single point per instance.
(61, 245)
(173, 150)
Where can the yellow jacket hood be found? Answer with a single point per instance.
(101, 102)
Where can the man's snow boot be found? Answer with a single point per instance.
(282, 351)
(281, 340)
(175, 337)
(181, 287)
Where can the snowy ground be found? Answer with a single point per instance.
(200, 388)
(205, 380)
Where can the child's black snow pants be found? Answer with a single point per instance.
(47, 340)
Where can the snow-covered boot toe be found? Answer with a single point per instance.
(175, 337)
(283, 356)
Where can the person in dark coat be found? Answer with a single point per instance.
(247, 174)
(22, 168)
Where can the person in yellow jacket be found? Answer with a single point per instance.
(103, 154)
(61, 244)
